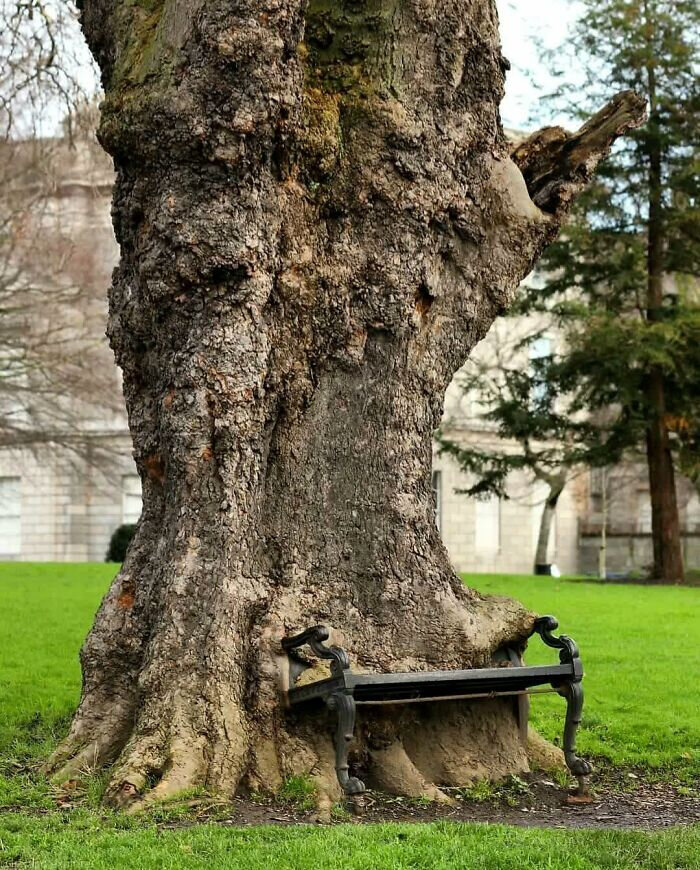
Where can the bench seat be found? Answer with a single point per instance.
(344, 689)
(434, 685)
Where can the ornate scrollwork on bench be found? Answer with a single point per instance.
(341, 701)
(314, 637)
(568, 649)
(571, 690)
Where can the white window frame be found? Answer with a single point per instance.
(131, 490)
(10, 516)
(487, 514)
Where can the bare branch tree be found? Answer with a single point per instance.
(58, 384)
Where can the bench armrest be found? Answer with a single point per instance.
(314, 638)
(317, 633)
(568, 649)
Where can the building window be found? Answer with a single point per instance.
(10, 516)
(437, 498)
(644, 515)
(488, 526)
(540, 349)
(131, 498)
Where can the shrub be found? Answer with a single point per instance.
(119, 542)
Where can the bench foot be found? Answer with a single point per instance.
(344, 706)
(579, 767)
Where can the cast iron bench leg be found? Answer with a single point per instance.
(573, 692)
(344, 706)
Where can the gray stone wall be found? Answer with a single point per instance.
(70, 504)
(501, 537)
(630, 553)
(68, 509)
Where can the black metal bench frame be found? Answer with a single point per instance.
(344, 690)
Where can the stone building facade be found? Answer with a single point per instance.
(499, 535)
(52, 509)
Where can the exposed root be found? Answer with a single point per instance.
(394, 772)
(457, 743)
(73, 766)
(543, 755)
(185, 769)
(325, 781)
(111, 659)
(423, 748)
(139, 768)
(87, 747)
(200, 725)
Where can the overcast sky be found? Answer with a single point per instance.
(521, 22)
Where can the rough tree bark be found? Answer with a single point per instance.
(318, 219)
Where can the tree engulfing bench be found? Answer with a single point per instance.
(344, 690)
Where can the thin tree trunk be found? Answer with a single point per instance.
(665, 522)
(548, 513)
(603, 551)
(318, 219)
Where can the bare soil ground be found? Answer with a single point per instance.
(620, 800)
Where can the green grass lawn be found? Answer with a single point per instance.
(89, 843)
(640, 647)
(47, 609)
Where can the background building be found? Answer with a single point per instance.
(500, 534)
(61, 500)
(63, 504)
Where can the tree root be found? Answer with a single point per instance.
(91, 743)
(449, 744)
(394, 772)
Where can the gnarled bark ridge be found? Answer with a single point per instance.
(318, 218)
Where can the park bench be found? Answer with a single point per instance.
(344, 690)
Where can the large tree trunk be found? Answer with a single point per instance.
(665, 522)
(318, 219)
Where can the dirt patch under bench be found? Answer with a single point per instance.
(621, 799)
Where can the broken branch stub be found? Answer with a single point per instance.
(557, 165)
